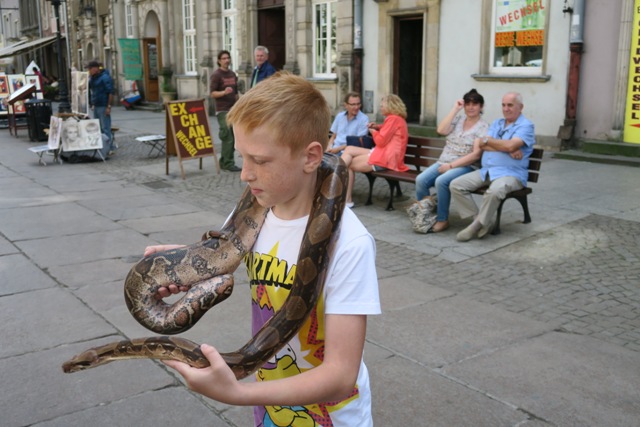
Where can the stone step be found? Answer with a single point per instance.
(582, 156)
(610, 148)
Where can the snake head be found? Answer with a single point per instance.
(82, 361)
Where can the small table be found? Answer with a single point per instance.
(156, 142)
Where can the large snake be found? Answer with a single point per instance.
(206, 269)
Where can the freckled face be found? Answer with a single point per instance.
(275, 175)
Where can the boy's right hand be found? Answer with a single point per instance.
(165, 291)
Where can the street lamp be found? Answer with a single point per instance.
(64, 106)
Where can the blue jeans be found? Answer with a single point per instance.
(430, 177)
(105, 123)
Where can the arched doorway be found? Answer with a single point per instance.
(151, 57)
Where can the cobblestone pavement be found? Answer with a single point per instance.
(583, 277)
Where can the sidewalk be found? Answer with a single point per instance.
(539, 326)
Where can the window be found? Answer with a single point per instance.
(128, 11)
(519, 33)
(189, 17)
(324, 39)
(229, 13)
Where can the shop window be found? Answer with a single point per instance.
(519, 29)
(324, 39)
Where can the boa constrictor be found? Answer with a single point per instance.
(206, 268)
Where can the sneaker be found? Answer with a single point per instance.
(466, 234)
(486, 230)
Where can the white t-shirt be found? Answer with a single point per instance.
(351, 287)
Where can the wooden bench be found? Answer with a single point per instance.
(422, 152)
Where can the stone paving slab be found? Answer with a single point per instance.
(6, 247)
(117, 207)
(171, 222)
(408, 394)
(453, 329)
(146, 409)
(67, 218)
(35, 388)
(565, 379)
(31, 328)
(80, 248)
(18, 274)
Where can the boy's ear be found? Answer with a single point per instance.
(313, 154)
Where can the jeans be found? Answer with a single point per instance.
(430, 177)
(105, 123)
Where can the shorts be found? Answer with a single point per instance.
(377, 168)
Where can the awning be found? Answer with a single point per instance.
(24, 47)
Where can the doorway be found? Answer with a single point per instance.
(150, 61)
(271, 33)
(407, 64)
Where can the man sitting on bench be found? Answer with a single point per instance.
(505, 160)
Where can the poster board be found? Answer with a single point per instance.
(4, 95)
(34, 79)
(16, 85)
(80, 92)
(79, 135)
(55, 129)
(188, 132)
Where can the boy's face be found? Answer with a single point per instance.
(278, 178)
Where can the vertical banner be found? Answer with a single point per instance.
(632, 114)
(188, 132)
(131, 58)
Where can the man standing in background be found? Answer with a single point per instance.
(263, 68)
(223, 86)
(100, 98)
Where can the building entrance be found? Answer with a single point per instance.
(407, 64)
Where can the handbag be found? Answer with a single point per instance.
(365, 141)
(422, 214)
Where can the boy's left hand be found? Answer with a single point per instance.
(217, 381)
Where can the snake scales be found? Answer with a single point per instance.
(206, 268)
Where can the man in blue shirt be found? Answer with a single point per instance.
(505, 162)
(350, 122)
(263, 68)
(101, 97)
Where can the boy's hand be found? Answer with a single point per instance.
(217, 381)
(165, 291)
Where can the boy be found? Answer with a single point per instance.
(319, 378)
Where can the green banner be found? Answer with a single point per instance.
(131, 59)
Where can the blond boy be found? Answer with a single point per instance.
(319, 377)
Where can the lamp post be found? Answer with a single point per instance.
(63, 94)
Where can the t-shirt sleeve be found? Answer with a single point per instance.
(352, 283)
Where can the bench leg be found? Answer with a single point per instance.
(371, 179)
(399, 190)
(525, 207)
(392, 186)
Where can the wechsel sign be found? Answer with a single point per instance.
(188, 132)
(632, 115)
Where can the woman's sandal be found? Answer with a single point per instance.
(440, 226)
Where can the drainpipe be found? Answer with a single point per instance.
(576, 43)
(357, 46)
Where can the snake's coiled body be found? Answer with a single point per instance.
(206, 268)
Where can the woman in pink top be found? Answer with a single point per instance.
(390, 140)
